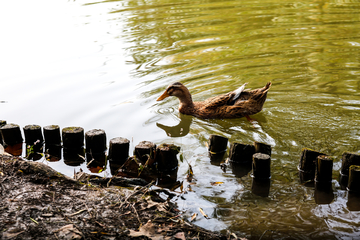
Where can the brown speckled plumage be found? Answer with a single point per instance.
(223, 106)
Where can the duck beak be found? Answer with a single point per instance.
(163, 96)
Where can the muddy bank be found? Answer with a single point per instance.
(36, 202)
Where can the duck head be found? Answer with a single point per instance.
(178, 90)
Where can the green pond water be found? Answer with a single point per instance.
(103, 65)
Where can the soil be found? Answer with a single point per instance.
(39, 203)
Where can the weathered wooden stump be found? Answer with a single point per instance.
(354, 179)
(2, 123)
(262, 148)
(217, 144)
(241, 153)
(307, 164)
(349, 159)
(145, 150)
(11, 134)
(260, 187)
(74, 156)
(324, 167)
(52, 135)
(33, 135)
(95, 141)
(240, 169)
(261, 166)
(73, 137)
(166, 157)
(119, 150)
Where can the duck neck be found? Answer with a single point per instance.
(186, 102)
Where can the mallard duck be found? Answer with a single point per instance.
(235, 104)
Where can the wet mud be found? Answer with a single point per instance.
(39, 203)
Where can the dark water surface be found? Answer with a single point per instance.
(103, 64)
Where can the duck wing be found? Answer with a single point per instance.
(225, 99)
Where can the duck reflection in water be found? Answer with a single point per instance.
(180, 130)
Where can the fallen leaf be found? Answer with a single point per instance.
(193, 217)
(216, 183)
(203, 213)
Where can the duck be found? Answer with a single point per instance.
(235, 104)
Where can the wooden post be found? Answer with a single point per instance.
(307, 164)
(349, 159)
(119, 150)
(52, 135)
(261, 166)
(262, 148)
(95, 141)
(33, 135)
(241, 153)
(166, 157)
(354, 179)
(11, 134)
(217, 144)
(73, 137)
(324, 167)
(144, 150)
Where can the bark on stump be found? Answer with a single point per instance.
(95, 141)
(241, 153)
(166, 157)
(262, 148)
(119, 150)
(145, 150)
(261, 166)
(73, 137)
(52, 135)
(11, 134)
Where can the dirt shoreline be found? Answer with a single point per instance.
(39, 203)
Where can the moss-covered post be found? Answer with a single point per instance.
(73, 143)
(145, 150)
(73, 137)
(95, 141)
(166, 157)
(52, 135)
(118, 150)
(11, 134)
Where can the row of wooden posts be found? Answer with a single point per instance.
(314, 166)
